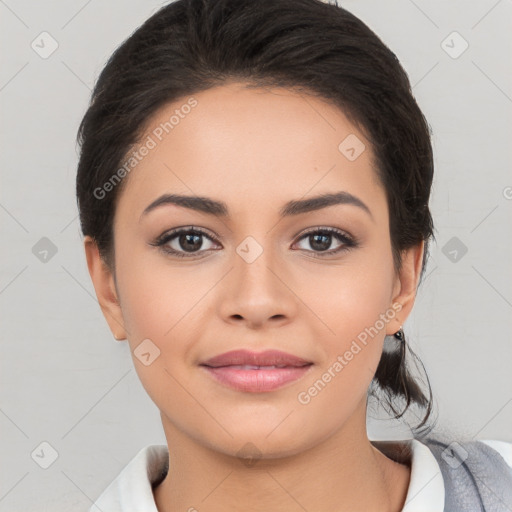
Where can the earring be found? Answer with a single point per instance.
(399, 335)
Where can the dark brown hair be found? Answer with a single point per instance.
(307, 45)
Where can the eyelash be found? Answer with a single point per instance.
(348, 242)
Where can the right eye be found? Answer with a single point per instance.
(183, 242)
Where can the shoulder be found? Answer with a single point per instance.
(502, 447)
(456, 452)
(477, 474)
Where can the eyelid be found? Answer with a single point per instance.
(328, 229)
(171, 233)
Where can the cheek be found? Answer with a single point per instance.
(158, 298)
(354, 310)
(160, 304)
(350, 299)
(362, 298)
(354, 304)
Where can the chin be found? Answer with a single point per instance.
(251, 441)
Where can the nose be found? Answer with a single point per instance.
(258, 290)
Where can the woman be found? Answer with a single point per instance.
(253, 189)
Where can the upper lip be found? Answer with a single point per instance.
(248, 357)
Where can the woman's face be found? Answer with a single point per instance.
(255, 278)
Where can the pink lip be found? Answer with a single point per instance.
(228, 368)
(265, 358)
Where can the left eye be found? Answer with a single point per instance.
(321, 239)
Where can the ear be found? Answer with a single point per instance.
(407, 280)
(105, 288)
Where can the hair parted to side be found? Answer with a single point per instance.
(309, 46)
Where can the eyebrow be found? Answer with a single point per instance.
(295, 207)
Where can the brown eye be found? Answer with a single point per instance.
(320, 240)
(183, 241)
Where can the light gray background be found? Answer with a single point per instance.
(67, 382)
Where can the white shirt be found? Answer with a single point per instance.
(131, 491)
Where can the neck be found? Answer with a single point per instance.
(343, 473)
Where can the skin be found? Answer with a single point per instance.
(256, 149)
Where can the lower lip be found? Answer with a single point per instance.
(257, 381)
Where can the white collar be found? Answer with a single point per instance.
(426, 492)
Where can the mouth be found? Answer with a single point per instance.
(254, 372)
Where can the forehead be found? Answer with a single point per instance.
(250, 145)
